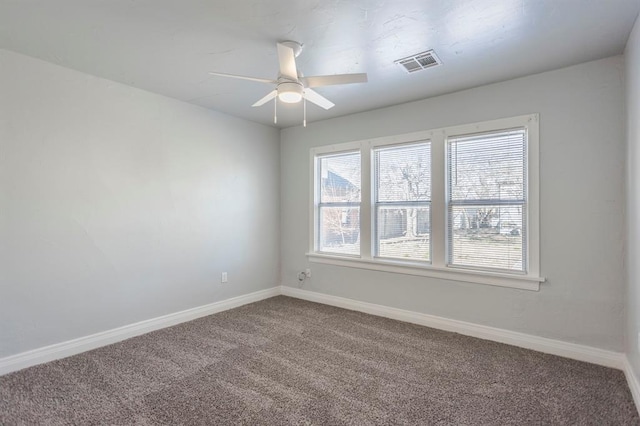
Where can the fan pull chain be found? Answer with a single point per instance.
(275, 111)
(304, 119)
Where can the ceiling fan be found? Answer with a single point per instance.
(292, 86)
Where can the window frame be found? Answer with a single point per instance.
(484, 202)
(437, 268)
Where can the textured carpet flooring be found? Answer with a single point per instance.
(286, 361)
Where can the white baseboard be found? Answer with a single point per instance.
(82, 344)
(632, 380)
(540, 344)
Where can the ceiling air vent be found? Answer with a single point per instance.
(419, 62)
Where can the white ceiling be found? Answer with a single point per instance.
(168, 46)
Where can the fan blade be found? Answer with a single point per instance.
(329, 80)
(318, 99)
(242, 77)
(272, 94)
(287, 60)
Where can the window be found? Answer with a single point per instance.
(486, 200)
(339, 203)
(403, 201)
(458, 203)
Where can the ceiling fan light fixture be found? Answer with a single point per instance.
(290, 92)
(292, 87)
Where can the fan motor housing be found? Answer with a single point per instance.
(290, 92)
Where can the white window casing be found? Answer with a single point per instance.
(508, 204)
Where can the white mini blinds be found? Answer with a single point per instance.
(486, 200)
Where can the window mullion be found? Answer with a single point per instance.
(314, 200)
(487, 202)
(411, 204)
(339, 204)
(366, 200)
(438, 203)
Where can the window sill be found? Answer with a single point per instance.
(523, 282)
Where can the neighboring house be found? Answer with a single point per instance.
(344, 223)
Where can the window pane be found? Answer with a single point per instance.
(340, 178)
(404, 232)
(340, 230)
(487, 166)
(403, 191)
(404, 173)
(487, 236)
(487, 196)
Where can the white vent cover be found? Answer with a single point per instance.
(420, 61)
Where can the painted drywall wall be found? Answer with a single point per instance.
(118, 205)
(632, 252)
(582, 155)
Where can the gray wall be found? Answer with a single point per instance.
(582, 203)
(118, 205)
(632, 258)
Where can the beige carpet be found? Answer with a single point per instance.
(286, 361)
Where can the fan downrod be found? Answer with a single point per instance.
(294, 45)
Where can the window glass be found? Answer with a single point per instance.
(339, 205)
(402, 208)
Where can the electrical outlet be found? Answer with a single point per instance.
(224, 277)
(308, 272)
